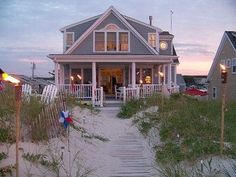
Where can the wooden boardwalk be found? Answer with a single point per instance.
(129, 150)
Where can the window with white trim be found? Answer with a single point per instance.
(69, 39)
(214, 93)
(123, 41)
(152, 39)
(228, 63)
(111, 41)
(234, 65)
(99, 41)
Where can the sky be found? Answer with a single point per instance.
(29, 29)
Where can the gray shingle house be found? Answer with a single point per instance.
(226, 55)
(113, 50)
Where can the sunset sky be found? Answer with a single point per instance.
(29, 29)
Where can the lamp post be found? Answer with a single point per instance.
(18, 90)
(161, 74)
(223, 81)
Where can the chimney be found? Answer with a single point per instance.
(150, 20)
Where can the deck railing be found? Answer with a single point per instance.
(85, 91)
(81, 91)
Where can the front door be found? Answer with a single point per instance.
(111, 77)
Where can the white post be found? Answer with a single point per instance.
(169, 76)
(56, 73)
(175, 75)
(133, 74)
(124, 94)
(101, 99)
(93, 81)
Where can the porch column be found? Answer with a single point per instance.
(93, 81)
(133, 74)
(175, 75)
(169, 76)
(56, 73)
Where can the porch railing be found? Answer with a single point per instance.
(81, 91)
(98, 97)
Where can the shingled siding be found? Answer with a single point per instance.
(228, 53)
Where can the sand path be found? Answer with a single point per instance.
(127, 154)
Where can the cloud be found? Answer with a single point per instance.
(193, 49)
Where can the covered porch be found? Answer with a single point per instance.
(120, 77)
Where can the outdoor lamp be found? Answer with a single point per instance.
(223, 81)
(79, 76)
(7, 77)
(223, 74)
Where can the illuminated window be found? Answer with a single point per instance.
(69, 39)
(111, 41)
(123, 41)
(147, 75)
(152, 39)
(100, 41)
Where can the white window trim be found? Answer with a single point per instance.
(232, 66)
(117, 41)
(226, 64)
(73, 38)
(149, 34)
(214, 98)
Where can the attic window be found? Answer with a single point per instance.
(152, 39)
(69, 39)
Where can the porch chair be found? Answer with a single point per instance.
(49, 93)
(26, 91)
(119, 92)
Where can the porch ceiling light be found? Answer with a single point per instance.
(72, 78)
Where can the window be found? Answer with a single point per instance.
(214, 93)
(228, 63)
(123, 41)
(147, 75)
(152, 39)
(234, 65)
(99, 41)
(111, 41)
(69, 39)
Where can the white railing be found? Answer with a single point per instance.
(82, 91)
(98, 97)
(130, 93)
(147, 90)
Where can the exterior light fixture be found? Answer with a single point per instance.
(72, 78)
(18, 89)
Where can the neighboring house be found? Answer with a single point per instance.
(181, 83)
(226, 55)
(112, 50)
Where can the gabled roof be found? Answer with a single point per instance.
(80, 22)
(227, 36)
(99, 21)
(232, 37)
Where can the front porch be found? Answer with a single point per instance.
(98, 97)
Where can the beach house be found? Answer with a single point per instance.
(111, 53)
(225, 55)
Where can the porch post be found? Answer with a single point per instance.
(93, 81)
(175, 76)
(169, 76)
(56, 73)
(133, 74)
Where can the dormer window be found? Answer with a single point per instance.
(111, 39)
(69, 39)
(152, 39)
